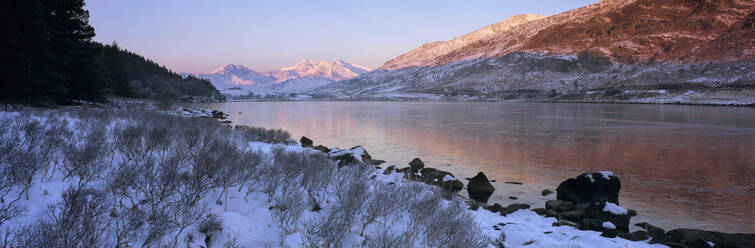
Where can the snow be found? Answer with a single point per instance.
(356, 152)
(448, 178)
(608, 225)
(589, 177)
(247, 220)
(526, 227)
(614, 209)
(606, 174)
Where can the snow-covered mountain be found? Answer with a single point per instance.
(237, 79)
(614, 50)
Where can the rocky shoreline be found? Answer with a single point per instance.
(588, 202)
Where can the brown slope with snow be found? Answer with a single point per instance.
(626, 31)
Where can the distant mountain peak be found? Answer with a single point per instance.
(306, 72)
(231, 68)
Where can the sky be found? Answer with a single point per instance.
(198, 36)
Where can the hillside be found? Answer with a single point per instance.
(685, 51)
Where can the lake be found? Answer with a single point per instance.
(680, 166)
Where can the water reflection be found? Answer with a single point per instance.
(689, 166)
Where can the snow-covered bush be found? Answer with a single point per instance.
(272, 136)
(122, 176)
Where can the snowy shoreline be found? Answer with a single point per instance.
(180, 178)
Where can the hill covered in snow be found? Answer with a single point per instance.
(235, 79)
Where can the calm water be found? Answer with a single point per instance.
(680, 166)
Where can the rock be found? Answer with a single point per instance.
(513, 197)
(495, 208)
(598, 211)
(565, 223)
(589, 188)
(560, 205)
(452, 185)
(609, 233)
(638, 236)
(546, 192)
(479, 188)
(322, 148)
(474, 207)
(431, 175)
(574, 215)
(389, 170)
(657, 233)
(305, 142)
(591, 224)
(346, 159)
(513, 208)
(516, 183)
(540, 211)
(416, 164)
(699, 238)
(403, 170)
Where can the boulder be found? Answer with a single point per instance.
(591, 224)
(657, 233)
(540, 211)
(513, 208)
(589, 188)
(494, 208)
(699, 238)
(607, 211)
(416, 164)
(638, 236)
(479, 188)
(322, 148)
(431, 175)
(452, 185)
(560, 205)
(389, 170)
(305, 142)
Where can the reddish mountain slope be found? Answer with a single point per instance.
(628, 31)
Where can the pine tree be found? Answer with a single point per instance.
(70, 38)
(27, 66)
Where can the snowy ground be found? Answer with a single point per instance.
(274, 208)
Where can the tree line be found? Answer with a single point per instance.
(48, 56)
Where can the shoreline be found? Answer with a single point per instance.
(498, 101)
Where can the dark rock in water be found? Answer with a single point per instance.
(513, 208)
(416, 164)
(389, 170)
(699, 238)
(431, 175)
(513, 197)
(452, 185)
(516, 183)
(219, 114)
(495, 208)
(589, 188)
(638, 236)
(479, 188)
(657, 233)
(546, 192)
(305, 142)
(403, 170)
(540, 211)
(322, 148)
(591, 224)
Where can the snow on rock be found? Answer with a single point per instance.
(448, 178)
(606, 174)
(357, 152)
(614, 209)
(608, 225)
